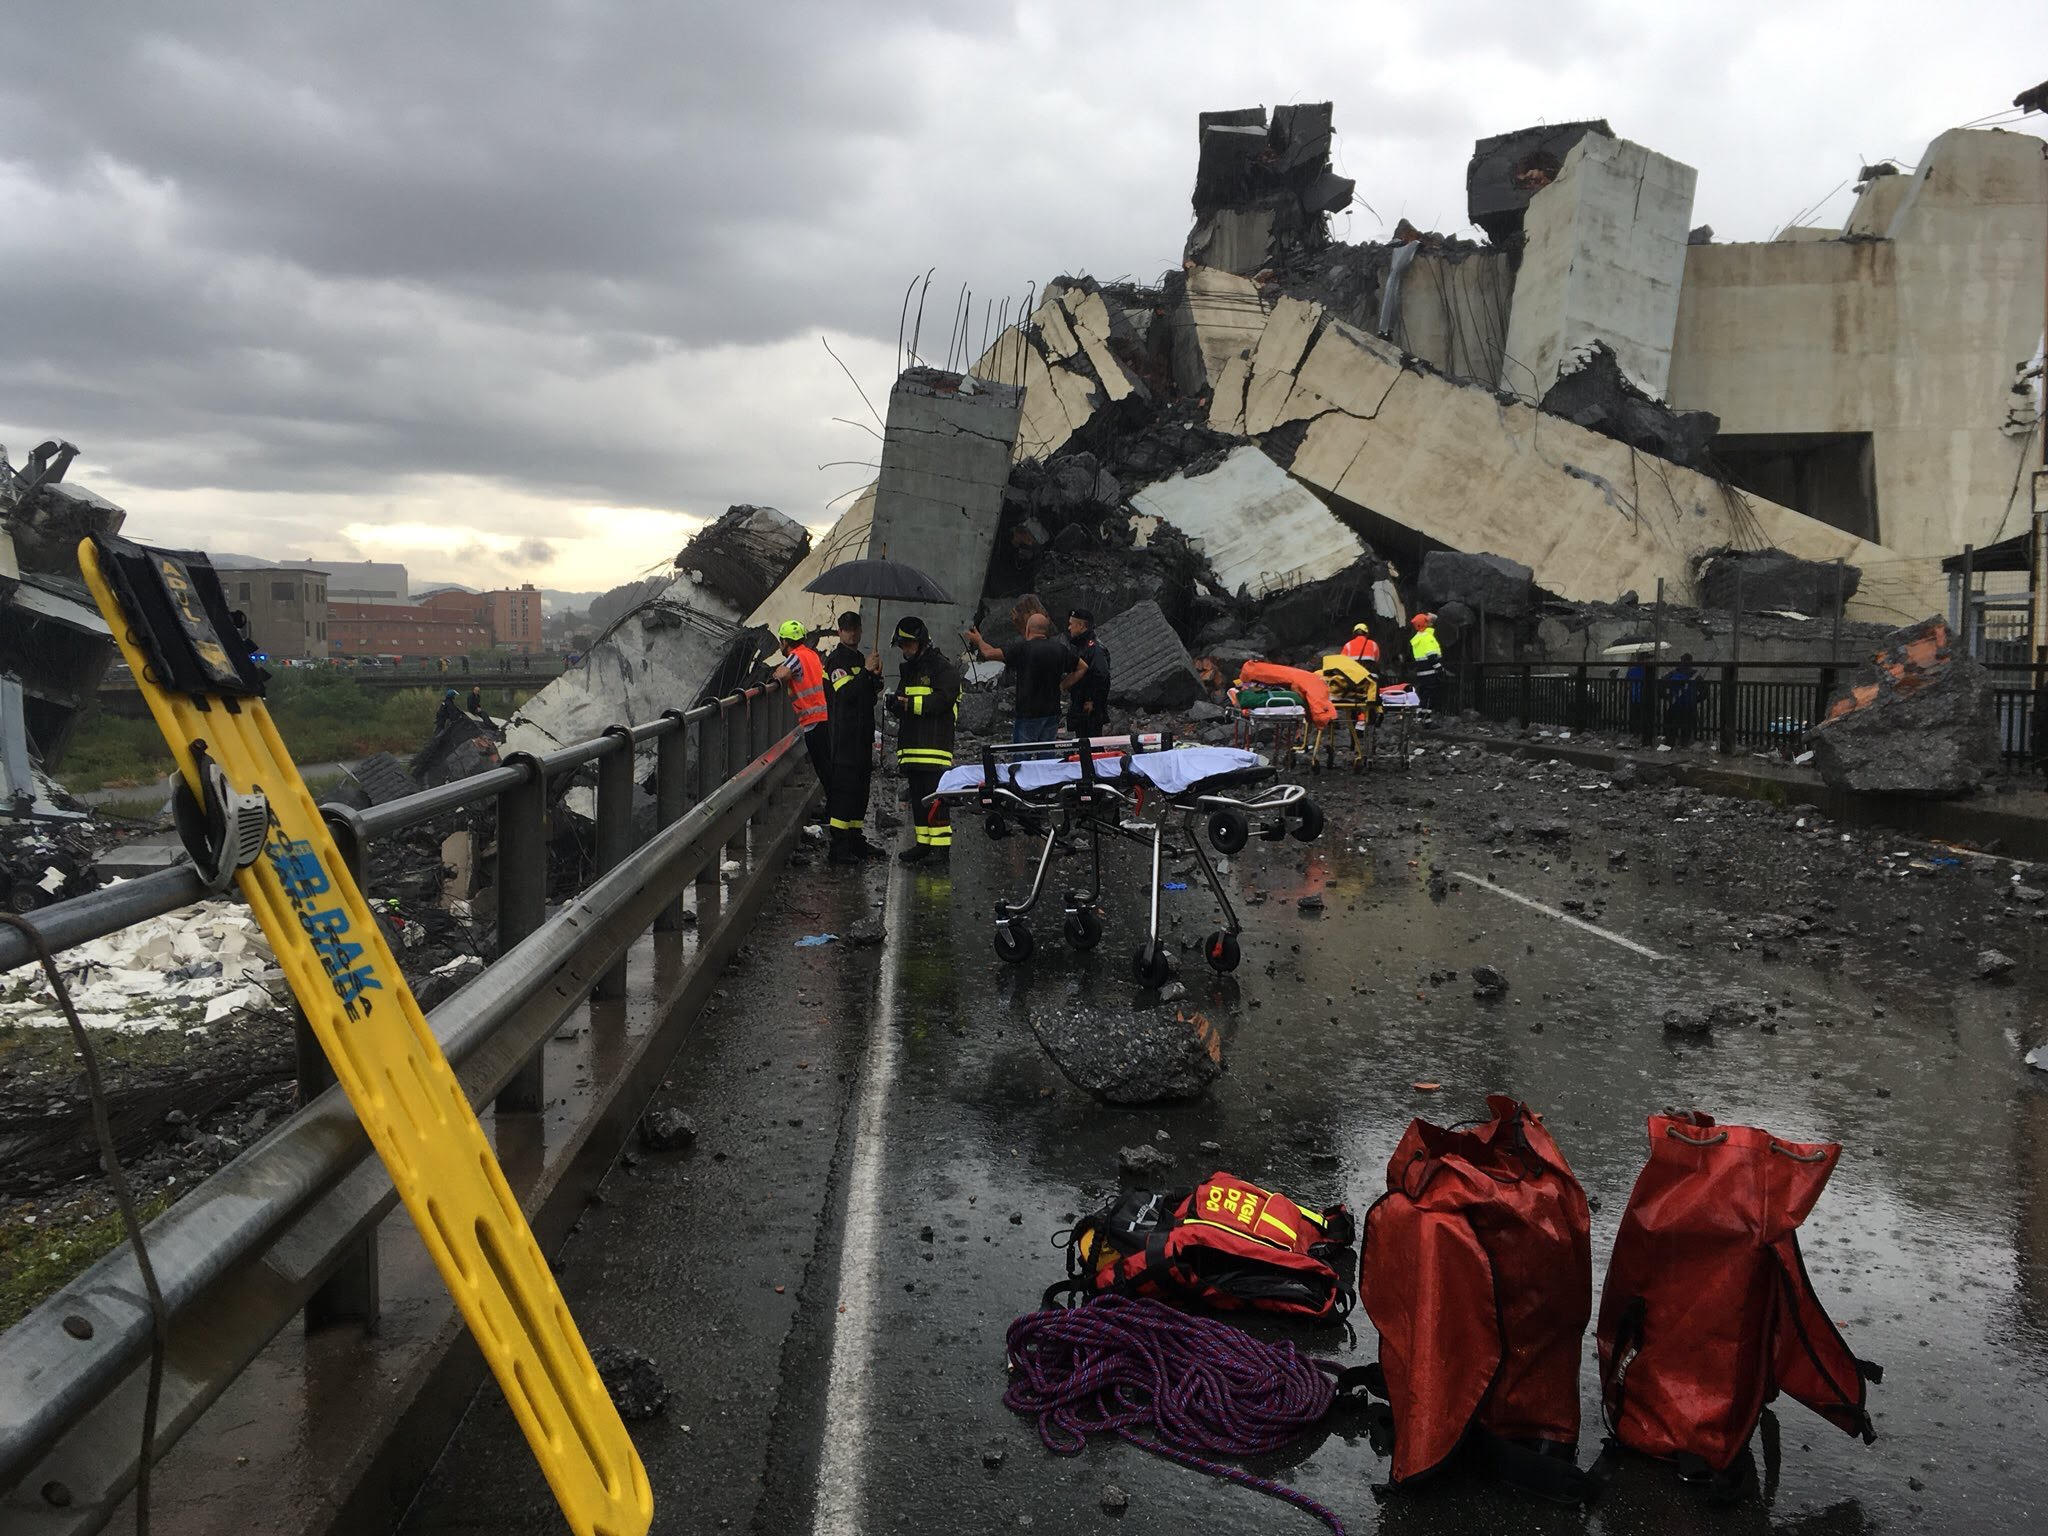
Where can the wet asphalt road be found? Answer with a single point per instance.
(926, 1102)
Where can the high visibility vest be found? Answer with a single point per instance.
(1362, 648)
(1425, 646)
(807, 687)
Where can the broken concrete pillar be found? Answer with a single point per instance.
(945, 463)
(1260, 531)
(1263, 193)
(1920, 722)
(1602, 259)
(1149, 667)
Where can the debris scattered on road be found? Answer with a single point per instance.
(1994, 965)
(1487, 982)
(665, 1128)
(633, 1380)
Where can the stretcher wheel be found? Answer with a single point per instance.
(1084, 928)
(1274, 831)
(996, 825)
(1220, 950)
(1153, 965)
(1014, 942)
(1228, 830)
(1308, 821)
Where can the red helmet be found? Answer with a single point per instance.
(1422, 620)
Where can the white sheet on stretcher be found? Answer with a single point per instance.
(1171, 773)
(1274, 712)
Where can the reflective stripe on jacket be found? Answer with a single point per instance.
(1426, 647)
(926, 701)
(806, 686)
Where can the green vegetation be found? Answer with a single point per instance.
(36, 1260)
(324, 716)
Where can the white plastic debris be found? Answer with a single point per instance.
(52, 881)
(2037, 1058)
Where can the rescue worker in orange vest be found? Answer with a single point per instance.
(1362, 647)
(853, 683)
(926, 699)
(806, 684)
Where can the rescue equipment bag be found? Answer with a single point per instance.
(1228, 1245)
(1707, 1312)
(1476, 1267)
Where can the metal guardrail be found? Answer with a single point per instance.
(291, 1223)
(1756, 706)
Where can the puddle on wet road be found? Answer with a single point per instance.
(1928, 1247)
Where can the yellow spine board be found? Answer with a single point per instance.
(384, 1053)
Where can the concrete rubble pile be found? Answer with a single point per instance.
(1919, 722)
(1290, 435)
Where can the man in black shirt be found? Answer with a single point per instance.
(853, 683)
(1043, 667)
(1088, 699)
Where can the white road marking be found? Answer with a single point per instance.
(1563, 917)
(842, 1465)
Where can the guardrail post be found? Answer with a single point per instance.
(671, 797)
(523, 902)
(353, 1293)
(710, 774)
(614, 833)
(1578, 711)
(1528, 704)
(1731, 700)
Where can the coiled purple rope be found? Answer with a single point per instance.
(1119, 1363)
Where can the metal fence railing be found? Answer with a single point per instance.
(1764, 706)
(290, 1225)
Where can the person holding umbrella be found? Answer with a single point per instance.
(852, 684)
(926, 699)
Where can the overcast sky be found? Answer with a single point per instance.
(519, 290)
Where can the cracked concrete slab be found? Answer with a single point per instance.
(1259, 530)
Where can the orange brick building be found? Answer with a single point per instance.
(510, 617)
(399, 629)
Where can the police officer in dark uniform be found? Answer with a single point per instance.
(853, 683)
(925, 702)
(1088, 699)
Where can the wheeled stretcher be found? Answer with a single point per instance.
(1105, 786)
(1366, 711)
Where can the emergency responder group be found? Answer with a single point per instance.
(834, 696)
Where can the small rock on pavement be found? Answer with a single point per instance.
(1993, 965)
(635, 1385)
(1691, 1026)
(2031, 895)
(1114, 1500)
(1310, 903)
(992, 1456)
(664, 1128)
(866, 933)
(1142, 1162)
(1488, 982)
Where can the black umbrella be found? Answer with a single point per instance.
(889, 580)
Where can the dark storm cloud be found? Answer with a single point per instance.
(583, 251)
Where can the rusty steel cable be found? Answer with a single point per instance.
(131, 1221)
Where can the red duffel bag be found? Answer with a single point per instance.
(1476, 1267)
(1707, 1312)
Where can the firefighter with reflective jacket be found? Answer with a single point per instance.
(1361, 647)
(853, 682)
(925, 702)
(1426, 653)
(805, 671)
